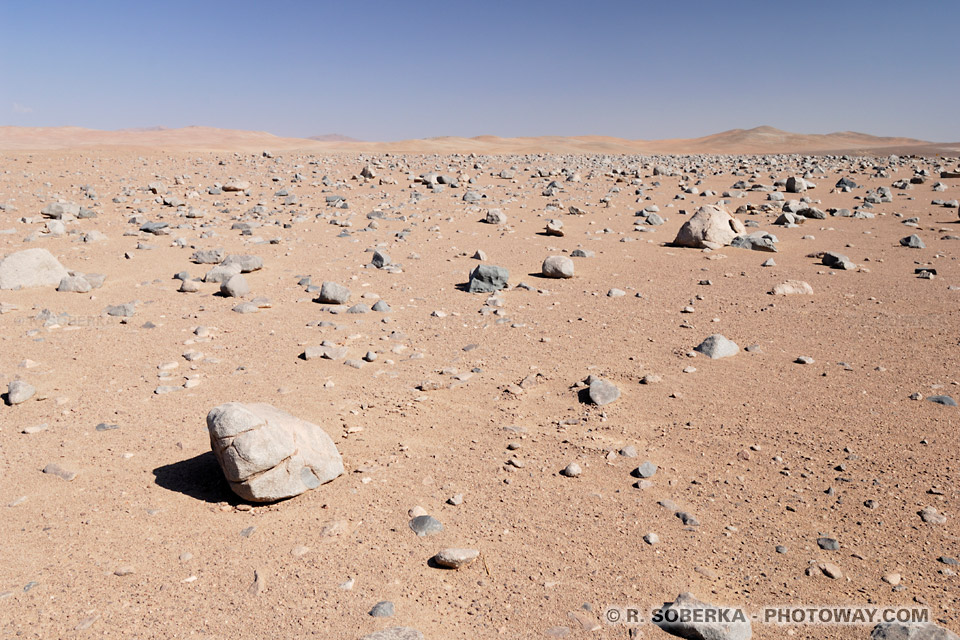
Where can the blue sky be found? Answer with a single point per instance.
(390, 70)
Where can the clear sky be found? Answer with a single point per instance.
(392, 69)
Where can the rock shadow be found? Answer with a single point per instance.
(199, 477)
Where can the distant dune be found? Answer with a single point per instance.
(333, 137)
(757, 141)
(187, 138)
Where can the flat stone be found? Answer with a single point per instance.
(792, 287)
(456, 558)
(828, 544)
(931, 516)
(55, 469)
(426, 526)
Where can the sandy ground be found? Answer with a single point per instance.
(148, 541)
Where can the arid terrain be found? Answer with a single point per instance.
(810, 468)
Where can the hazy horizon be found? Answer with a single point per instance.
(385, 72)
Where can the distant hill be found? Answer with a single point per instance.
(756, 141)
(771, 140)
(333, 137)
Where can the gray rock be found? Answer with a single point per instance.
(646, 470)
(487, 278)
(245, 262)
(828, 544)
(426, 526)
(207, 256)
(221, 273)
(380, 260)
(383, 609)
(31, 268)
(333, 293)
(913, 241)
(739, 630)
(602, 392)
(95, 280)
(267, 454)
(495, 216)
(455, 558)
(381, 307)
(796, 185)
(918, 631)
(946, 401)
(557, 267)
(582, 253)
(845, 183)
(572, 470)
(717, 346)
(156, 228)
(19, 391)
(755, 242)
(125, 310)
(60, 210)
(359, 308)
(235, 287)
(654, 220)
(838, 261)
(74, 283)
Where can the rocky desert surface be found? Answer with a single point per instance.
(555, 383)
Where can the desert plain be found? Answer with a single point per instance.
(810, 467)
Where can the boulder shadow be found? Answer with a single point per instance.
(584, 396)
(199, 477)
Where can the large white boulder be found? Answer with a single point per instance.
(711, 227)
(31, 268)
(267, 454)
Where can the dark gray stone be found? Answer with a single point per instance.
(913, 241)
(487, 278)
(425, 526)
(383, 609)
(902, 631)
